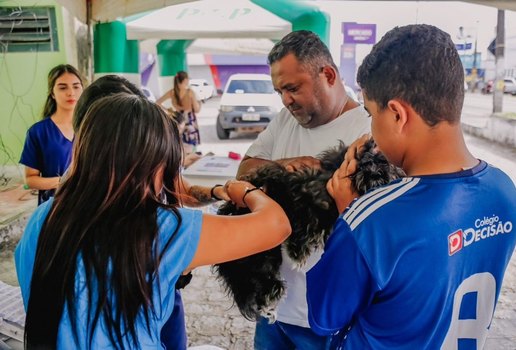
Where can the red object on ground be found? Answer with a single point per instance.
(234, 155)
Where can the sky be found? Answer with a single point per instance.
(477, 20)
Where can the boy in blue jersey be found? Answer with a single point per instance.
(419, 263)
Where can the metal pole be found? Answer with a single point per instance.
(500, 63)
(474, 70)
(89, 40)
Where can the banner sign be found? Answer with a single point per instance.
(466, 46)
(359, 33)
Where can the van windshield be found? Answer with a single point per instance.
(250, 87)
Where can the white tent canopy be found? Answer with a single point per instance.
(111, 10)
(231, 46)
(209, 19)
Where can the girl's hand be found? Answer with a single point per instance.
(236, 190)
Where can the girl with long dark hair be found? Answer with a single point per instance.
(98, 264)
(48, 144)
(173, 332)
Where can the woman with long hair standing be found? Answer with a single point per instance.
(97, 265)
(185, 101)
(173, 332)
(48, 144)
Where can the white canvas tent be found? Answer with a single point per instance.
(111, 10)
(231, 46)
(209, 19)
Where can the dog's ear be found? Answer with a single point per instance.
(332, 158)
(373, 169)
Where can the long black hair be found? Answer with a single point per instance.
(103, 224)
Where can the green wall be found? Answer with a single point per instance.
(23, 86)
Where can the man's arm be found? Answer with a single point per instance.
(196, 196)
(249, 164)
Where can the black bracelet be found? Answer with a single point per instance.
(212, 194)
(249, 190)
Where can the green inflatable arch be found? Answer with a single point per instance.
(115, 54)
(301, 15)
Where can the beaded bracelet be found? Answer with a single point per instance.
(212, 193)
(249, 190)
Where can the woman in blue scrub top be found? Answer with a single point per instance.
(48, 144)
(99, 262)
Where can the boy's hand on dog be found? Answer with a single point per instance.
(356, 147)
(298, 163)
(340, 186)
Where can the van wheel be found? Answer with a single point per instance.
(222, 133)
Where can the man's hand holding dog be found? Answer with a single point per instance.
(298, 163)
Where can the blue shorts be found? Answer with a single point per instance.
(284, 336)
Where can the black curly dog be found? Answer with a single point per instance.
(254, 281)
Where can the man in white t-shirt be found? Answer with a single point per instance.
(318, 114)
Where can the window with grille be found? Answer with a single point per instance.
(28, 29)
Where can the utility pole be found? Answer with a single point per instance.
(89, 65)
(500, 63)
(474, 70)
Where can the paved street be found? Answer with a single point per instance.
(478, 105)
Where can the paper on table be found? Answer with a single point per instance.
(213, 166)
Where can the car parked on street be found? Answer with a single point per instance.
(202, 89)
(248, 103)
(509, 85)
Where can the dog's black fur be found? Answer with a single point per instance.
(254, 281)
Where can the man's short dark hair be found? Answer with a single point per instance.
(306, 46)
(418, 64)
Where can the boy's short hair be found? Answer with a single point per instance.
(420, 65)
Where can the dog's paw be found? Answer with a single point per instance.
(269, 313)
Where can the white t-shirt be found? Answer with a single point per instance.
(285, 138)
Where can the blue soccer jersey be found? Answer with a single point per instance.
(417, 264)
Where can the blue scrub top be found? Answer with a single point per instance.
(47, 150)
